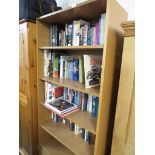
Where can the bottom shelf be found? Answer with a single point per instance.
(50, 146)
(67, 137)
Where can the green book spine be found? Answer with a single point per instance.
(55, 65)
(81, 70)
(65, 69)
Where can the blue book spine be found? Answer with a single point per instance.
(95, 103)
(75, 70)
(85, 102)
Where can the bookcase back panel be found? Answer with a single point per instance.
(49, 145)
(43, 34)
(83, 11)
(41, 91)
(44, 113)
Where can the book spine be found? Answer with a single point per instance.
(81, 70)
(95, 103)
(85, 102)
(72, 126)
(56, 65)
(75, 70)
(87, 137)
(70, 34)
(83, 133)
(85, 33)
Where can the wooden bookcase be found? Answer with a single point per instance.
(51, 133)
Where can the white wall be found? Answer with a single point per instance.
(128, 5)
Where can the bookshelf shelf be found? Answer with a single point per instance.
(72, 85)
(81, 11)
(97, 47)
(82, 119)
(72, 141)
(49, 145)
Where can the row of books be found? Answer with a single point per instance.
(65, 100)
(78, 32)
(83, 68)
(84, 101)
(85, 134)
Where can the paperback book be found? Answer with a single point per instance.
(92, 68)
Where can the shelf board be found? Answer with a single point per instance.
(81, 11)
(73, 85)
(95, 47)
(67, 137)
(49, 146)
(83, 119)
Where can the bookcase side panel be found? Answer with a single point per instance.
(110, 74)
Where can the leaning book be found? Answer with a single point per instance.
(61, 106)
(92, 68)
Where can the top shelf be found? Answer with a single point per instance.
(83, 11)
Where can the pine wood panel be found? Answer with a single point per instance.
(97, 47)
(129, 146)
(123, 135)
(81, 11)
(110, 70)
(68, 138)
(33, 85)
(50, 146)
(72, 85)
(27, 87)
(24, 109)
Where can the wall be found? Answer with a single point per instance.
(128, 5)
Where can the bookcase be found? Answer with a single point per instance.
(56, 138)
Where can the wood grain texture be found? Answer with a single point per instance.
(72, 85)
(67, 137)
(50, 146)
(33, 85)
(123, 135)
(82, 119)
(28, 87)
(97, 47)
(110, 68)
(129, 28)
(81, 11)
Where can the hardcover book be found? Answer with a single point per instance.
(92, 68)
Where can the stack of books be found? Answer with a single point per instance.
(61, 107)
(78, 33)
(84, 101)
(83, 68)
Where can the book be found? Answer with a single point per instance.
(53, 92)
(92, 68)
(61, 106)
(77, 25)
(75, 69)
(55, 65)
(102, 28)
(95, 104)
(81, 69)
